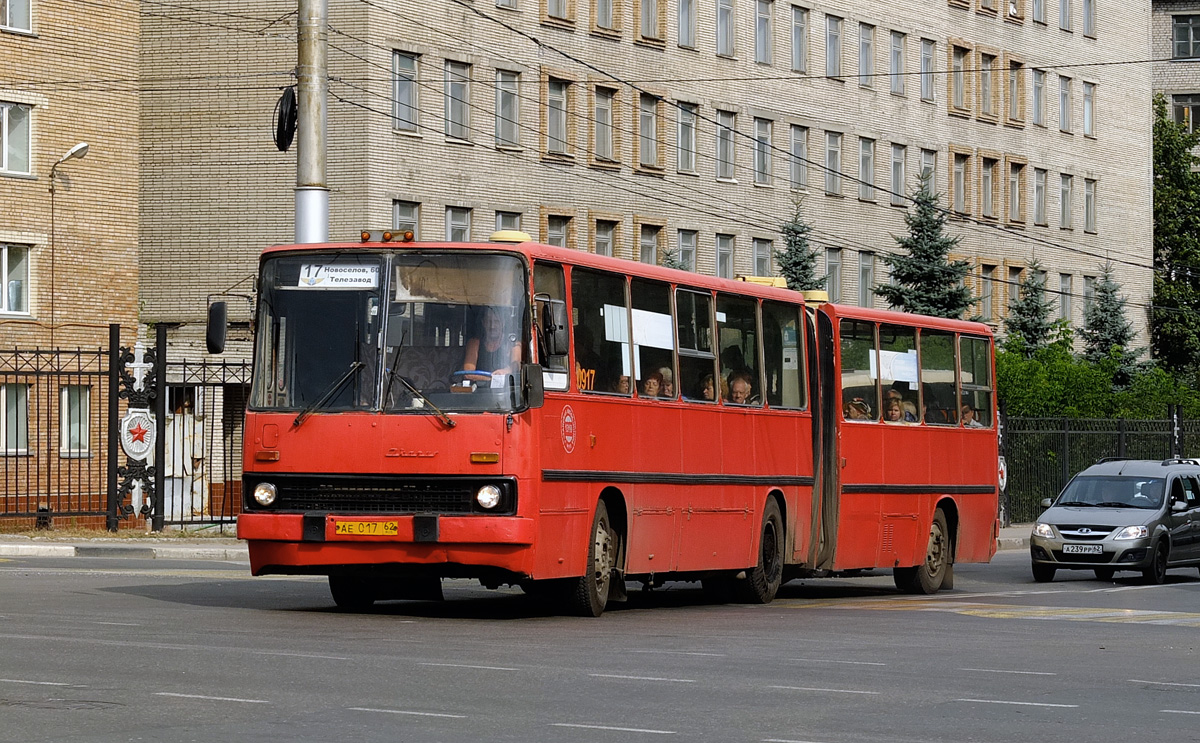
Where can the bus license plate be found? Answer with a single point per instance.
(1083, 549)
(366, 528)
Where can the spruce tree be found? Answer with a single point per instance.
(925, 280)
(798, 259)
(1028, 324)
(1105, 329)
(670, 259)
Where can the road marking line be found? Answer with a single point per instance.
(211, 699)
(609, 727)
(1019, 704)
(1180, 711)
(785, 740)
(118, 624)
(999, 670)
(1163, 683)
(847, 662)
(640, 678)
(679, 652)
(813, 688)
(407, 712)
(463, 665)
(37, 683)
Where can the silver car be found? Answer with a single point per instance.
(1141, 515)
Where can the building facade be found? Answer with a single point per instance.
(655, 128)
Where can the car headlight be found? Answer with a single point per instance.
(488, 496)
(1132, 532)
(264, 493)
(1043, 530)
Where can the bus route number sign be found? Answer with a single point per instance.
(366, 528)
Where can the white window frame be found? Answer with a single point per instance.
(1064, 14)
(958, 80)
(558, 97)
(987, 279)
(687, 23)
(725, 28)
(866, 278)
(987, 63)
(558, 9)
(726, 245)
(726, 152)
(16, 147)
(1064, 103)
(928, 68)
(798, 148)
(458, 100)
(1089, 205)
(1039, 196)
(14, 419)
(929, 166)
(648, 19)
(604, 147)
(1015, 210)
(1064, 296)
(508, 97)
(1039, 97)
(762, 151)
(648, 236)
(764, 251)
(1038, 12)
(1066, 200)
(833, 163)
(1014, 91)
(458, 224)
(764, 12)
(866, 55)
(866, 169)
(896, 62)
(11, 20)
(960, 168)
(1089, 18)
(558, 230)
(406, 215)
(605, 15)
(648, 131)
(74, 424)
(605, 237)
(685, 138)
(799, 39)
(833, 274)
(508, 220)
(899, 162)
(1089, 109)
(833, 46)
(12, 283)
(404, 91)
(687, 240)
(987, 184)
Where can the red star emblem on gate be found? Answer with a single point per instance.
(138, 433)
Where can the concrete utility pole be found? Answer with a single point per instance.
(312, 194)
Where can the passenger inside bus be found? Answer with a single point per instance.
(857, 410)
(491, 349)
(708, 390)
(741, 385)
(653, 385)
(668, 383)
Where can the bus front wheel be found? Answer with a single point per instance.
(763, 581)
(927, 577)
(351, 593)
(589, 593)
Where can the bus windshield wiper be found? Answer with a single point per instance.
(441, 414)
(333, 388)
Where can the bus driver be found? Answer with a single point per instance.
(490, 351)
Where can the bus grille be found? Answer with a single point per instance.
(391, 495)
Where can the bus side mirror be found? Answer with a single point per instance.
(218, 320)
(533, 385)
(556, 328)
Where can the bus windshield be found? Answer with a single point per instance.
(401, 332)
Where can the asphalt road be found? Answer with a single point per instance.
(154, 650)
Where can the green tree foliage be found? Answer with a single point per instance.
(1175, 317)
(798, 259)
(1106, 332)
(1028, 325)
(925, 280)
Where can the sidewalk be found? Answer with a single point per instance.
(1014, 537)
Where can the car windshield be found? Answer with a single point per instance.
(1113, 491)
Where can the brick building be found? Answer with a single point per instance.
(1175, 47)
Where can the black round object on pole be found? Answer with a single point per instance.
(285, 119)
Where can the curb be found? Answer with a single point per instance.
(229, 554)
(1012, 543)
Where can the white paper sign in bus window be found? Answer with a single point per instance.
(341, 276)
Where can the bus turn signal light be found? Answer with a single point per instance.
(266, 455)
(485, 457)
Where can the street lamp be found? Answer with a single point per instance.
(76, 152)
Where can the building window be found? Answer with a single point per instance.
(1089, 18)
(833, 274)
(866, 169)
(1039, 196)
(557, 103)
(1064, 296)
(989, 187)
(603, 147)
(1089, 205)
(1064, 103)
(1016, 92)
(1065, 201)
(896, 63)
(725, 46)
(73, 414)
(959, 190)
(798, 170)
(648, 243)
(508, 220)
(687, 24)
(1013, 287)
(404, 91)
(558, 9)
(833, 46)
(1089, 109)
(763, 31)
(1039, 97)
(458, 224)
(866, 279)
(929, 170)
(1089, 293)
(649, 20)
(1064, 14)
(799, 39)
(987, 87)
(648, 131)
(14, 138)
(1016, 187)
(1185, 31)
(1186, 109)
(762, 151)
(685, 140)
(458, 98)
(605, 17)
(726, 126)
(508, 109)
(687, 249)
(558, 230)
(510, 4)
(833, 163)
(404, 217)
(1039, 11)
(14, 268)
(605, 237)
(928, 49)
(866, 55)
(725, 256)
(987, 279)
(15, 14)
(763, 251)
(958, 77)
(899, 154)
(14, 418)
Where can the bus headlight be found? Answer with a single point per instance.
(264, 493)
(488, 496)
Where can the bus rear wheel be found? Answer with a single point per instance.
(351, 593)
(763, 581)
(927, 577)
(588, 595)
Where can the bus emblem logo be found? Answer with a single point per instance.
(568, 429)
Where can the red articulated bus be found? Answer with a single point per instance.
(536, 416)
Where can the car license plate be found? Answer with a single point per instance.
(1083, 549)
(366, 528)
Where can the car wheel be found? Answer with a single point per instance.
(1156, 573)
(1043, 573)
(1104, 573)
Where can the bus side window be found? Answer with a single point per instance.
(601, 332)
(937, 378)
(976, 377)
(653, 338)
(860, 393)
(783, 355)
(697, 362)
(737, 337)
(549, 290)
(898, 373)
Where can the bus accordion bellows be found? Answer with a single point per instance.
(542, 417)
